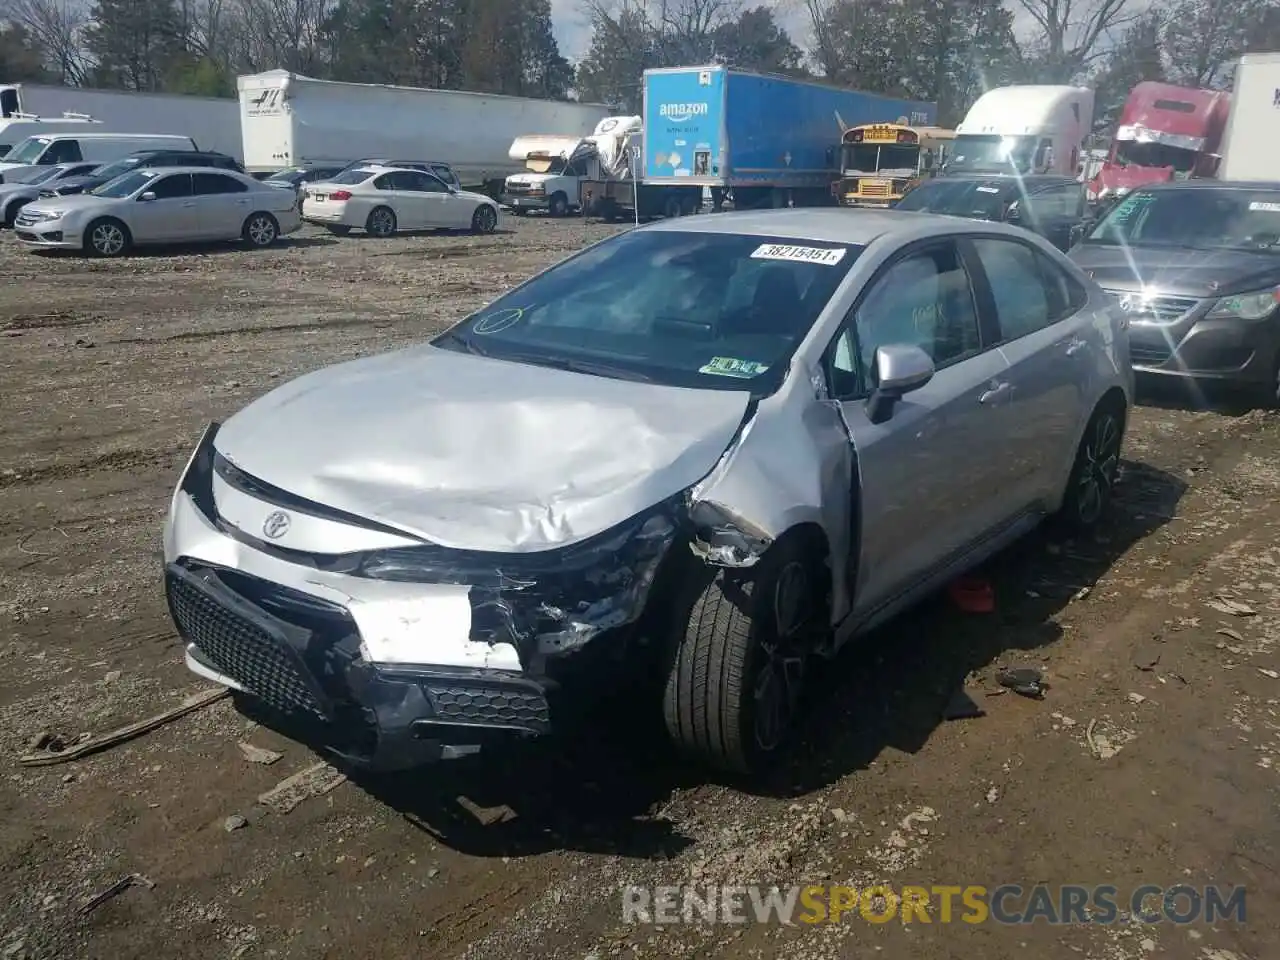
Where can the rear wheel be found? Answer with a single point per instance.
(107, 237)
(381, 222)
(1090, 487)
(260, 230)
(671, 207)
(484, 220)
(734, 685)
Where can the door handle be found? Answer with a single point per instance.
(996, 390)
(1075, 345)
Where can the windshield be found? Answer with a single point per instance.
(352, 176)
(31, 175)
(708, 310)
(959, 198)
(870, 157)
(27, 151)
(1155, 155)
(113, 170)
(1202, 219)
(972, 152)
(124, 185)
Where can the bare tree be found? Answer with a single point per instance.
(1071, 32)
(282, 33)
(57, 25)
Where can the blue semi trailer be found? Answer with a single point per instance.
(755, 139)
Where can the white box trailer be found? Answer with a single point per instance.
(292, 120)
(1251, 144)
(212, 122)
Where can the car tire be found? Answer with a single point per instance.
(735, 680)
(260, 230)
(107, 237)
(338, 229)
(671, 208)
(484, 220)
(1091, 483)
(558, 206)
(381, 222)
(10, 214)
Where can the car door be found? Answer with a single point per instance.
(925, 476)
(222, 204)
(170, 216)
(1046, 342)
(435, 200)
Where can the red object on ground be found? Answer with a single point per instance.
(972, 595)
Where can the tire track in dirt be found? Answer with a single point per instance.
(50, 321)
(129, 458)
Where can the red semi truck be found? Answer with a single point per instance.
(1165, 133)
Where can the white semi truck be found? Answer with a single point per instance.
(557, 166)
(1024, 129)
(32, 109)
(1251, 144)
(290, 120)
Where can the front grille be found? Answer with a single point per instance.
(523, 189)
(477, 703)
(1149, 356)
(1160, 309)
(875, 188)
(241, 649)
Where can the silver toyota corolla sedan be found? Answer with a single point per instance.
(702, 452)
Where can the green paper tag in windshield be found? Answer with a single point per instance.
(731, 367)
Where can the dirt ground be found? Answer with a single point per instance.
(1152, 757)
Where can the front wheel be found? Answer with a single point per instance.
(484, 220)
(11, 214)
(106, 238)
(1091, 484)
(734, 685)
(559, 205)
(260, 230)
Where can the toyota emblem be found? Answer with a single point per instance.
(276, 525)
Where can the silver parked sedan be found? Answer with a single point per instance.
(703, 451)
(161, 205)
(22, 186)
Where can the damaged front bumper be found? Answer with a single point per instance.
(400, 655)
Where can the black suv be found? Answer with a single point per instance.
(143, 158)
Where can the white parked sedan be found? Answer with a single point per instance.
(381, 200)
(165, 205)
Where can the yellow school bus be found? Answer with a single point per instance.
(879, 162)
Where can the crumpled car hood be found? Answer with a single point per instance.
(481, 454)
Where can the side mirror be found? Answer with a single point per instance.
(147, 196)
(900, 369)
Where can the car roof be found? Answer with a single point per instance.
(827, 225)
(190, 168)
(1027, 180)
(1206, 184)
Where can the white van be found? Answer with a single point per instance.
(13, 130)
(101, 147)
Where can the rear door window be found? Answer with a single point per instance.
(210, 183)
(1023, 303)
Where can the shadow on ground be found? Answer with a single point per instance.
(1230, 400)
(598, 791)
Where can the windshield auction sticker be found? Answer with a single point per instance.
(827, 256)
(732, 367)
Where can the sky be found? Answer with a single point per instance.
(573, 31)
